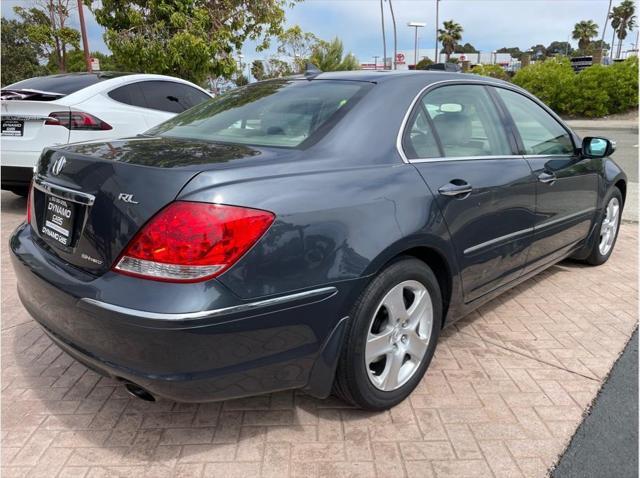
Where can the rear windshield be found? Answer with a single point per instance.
(272, 113)
(61, 84)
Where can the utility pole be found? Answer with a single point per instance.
(604, 30)
(415, 25)
(437, 12)
(395, 37)
(384, 40)
(85, 42)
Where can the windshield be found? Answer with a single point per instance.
(272, 113)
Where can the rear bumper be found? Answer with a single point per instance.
(16, 176)
(234, 348)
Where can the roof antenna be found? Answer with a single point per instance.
(311, 71)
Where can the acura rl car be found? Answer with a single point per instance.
(309, 233)
(70, 107)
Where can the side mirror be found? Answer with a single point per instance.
(597, 147)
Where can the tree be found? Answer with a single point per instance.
(584, 31)
(191, 39)
(623, 20)
(242, 80)
(46, 25)
(559, 48)
(449, 36)
(75, 61)
(19, 54)
(539, 52)
(272, 68)
(466, 48)
(257, 70)
(297, 45)
(424, 63)
(328, 56)
(514, 51)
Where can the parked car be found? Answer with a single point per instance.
(60, 109)
(308, 233)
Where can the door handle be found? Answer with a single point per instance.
(547, 178)
(457, 187)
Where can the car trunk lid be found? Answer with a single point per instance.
(90, 199)
(24, 128)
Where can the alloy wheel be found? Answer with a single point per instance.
(609, 226)
(398, 335)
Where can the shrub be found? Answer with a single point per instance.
(592, 88)
(594, 92)
(624, 88)
(552, 81)
(494, 71)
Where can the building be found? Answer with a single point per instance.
(405, 59)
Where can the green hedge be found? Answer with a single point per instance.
(594, 92)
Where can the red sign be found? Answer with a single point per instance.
(463, 58)
(400, 58)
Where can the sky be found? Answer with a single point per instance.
(488, 24)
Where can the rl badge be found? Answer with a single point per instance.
(58, 221)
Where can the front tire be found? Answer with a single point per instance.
(391, 336)
(607, 230)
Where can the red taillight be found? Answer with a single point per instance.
(77, 120)
(192, 241)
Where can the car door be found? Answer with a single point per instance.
(457, 139)
(567, 183)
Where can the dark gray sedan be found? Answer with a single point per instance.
(312, 233)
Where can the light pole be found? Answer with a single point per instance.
(437, 12)
(415, 25)
(375, 62)
(395, 37)
(384, 39)
(604, 30)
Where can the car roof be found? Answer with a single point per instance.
(384, 76)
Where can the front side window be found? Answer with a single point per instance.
(465, 121)
(540, 132)
(272, 113)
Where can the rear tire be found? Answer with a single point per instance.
(607, 228)
(391, 336)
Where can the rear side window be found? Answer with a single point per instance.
(170, 96)
(272, 113)
(540, 132)
(129, 95)
(465, 122)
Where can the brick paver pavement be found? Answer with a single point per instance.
(506, 390)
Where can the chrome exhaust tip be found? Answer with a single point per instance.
(138, 392)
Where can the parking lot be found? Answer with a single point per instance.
(506, 390)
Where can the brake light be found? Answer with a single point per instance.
(77, 120)
(192, 241)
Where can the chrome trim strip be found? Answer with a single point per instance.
(563, 218)
(536, 228)
(61, 191)
(5, 117)
(328, 291)
(417, 97)
(497, 239)
(462, 158)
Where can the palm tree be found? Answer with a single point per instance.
(623, 20)
(450, 35)
(584, 31)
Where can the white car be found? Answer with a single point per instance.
(72, 107)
